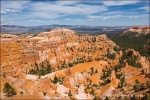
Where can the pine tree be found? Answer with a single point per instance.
(136, 86)
(13, 91)
(106, 98)
(55, 79)
(21, 92)
(116, 68)
(42, 65)
(44, 93)
(36, 65)
(69, 94)
(9, 90)
(96, 71)
(92, 70)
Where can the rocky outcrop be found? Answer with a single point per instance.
(81, 78)
(140, 29)
(83, 96)
(78, 79)
(64, 33)
(114, 80)
(61, 89)
(137, 31)
(8, 36)
(132, 53)
(113, 76)
(81, 89)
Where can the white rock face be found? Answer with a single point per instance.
(83, 96)
(72, 82)
(55, 39)
(53, 61)
(81, 89)
(46, 32)
(79, 77)
(37, 38)
(43, 55)
(108, 92)
(31, 77)
(61, 89)
(45, 39)
(47, 97)
(51, 75)
(71, 44)
(77, 80)
(113, 76)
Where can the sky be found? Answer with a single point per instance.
(75, 12)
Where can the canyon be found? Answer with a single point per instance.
(62, 64)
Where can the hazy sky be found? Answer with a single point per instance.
(76, 12)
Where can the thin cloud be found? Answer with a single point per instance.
(104, 17)
(61, 9)
(8, 11)
(146, 8)
(3, 12)
(68, 19)
(67, 2)
(34, 20)
(15, 5)
(119, 3)
(114, 12)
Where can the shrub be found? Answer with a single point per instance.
(55, 79)
(21, 92)
(69, 94)
(44, 93)
(9, 90)
(136, 87)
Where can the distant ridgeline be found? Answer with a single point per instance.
(78, 28)
(136, 38)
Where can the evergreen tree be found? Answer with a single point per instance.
(44, 93)
(55, 79)
(39, 75)
(104, 74)
(116, 68)
(106, 98)
(145, 97)
(133, 97)
(136, 86)
(13, 91)
(36, 65)
(96, 71)
(69, 94)
(42, 66)
(137, 81)
(21, 92)
(92, 70)
(9, 90)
